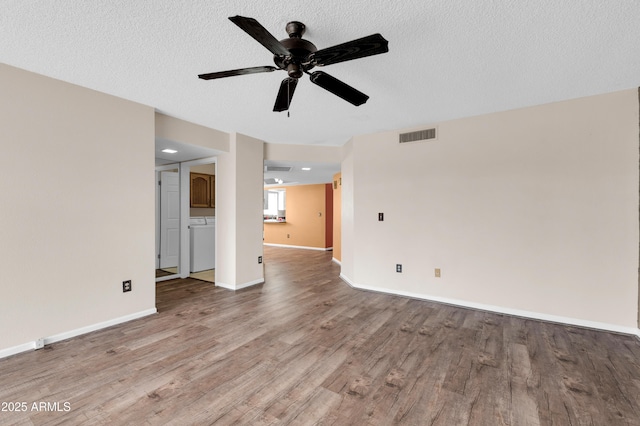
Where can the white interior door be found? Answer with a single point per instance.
(169, 219)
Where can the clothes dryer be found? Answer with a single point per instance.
(202, 233)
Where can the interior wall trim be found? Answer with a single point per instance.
(17, 349)
(77, 332)
(501, 310)
(239, 286)
(299, 247)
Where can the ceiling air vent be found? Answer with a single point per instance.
(420, 135)
(277, 169)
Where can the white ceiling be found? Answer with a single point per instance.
(185, 152)
(447, 59)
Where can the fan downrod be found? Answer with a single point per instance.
(296, 64)
(295, 29)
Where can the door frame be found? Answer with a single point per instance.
(158, 169)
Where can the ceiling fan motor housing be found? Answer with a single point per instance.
(300, 49)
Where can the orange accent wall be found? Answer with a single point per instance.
(309, 219)
(337, 216)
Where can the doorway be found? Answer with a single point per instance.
(199, 218)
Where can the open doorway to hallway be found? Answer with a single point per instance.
(175, 208)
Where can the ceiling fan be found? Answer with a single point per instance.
(297, 56)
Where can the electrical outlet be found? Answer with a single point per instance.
(437, 272)
(288, 235)
(380, 217)
(398, 267)
(40, 343)
(126, 286)
(259, 259)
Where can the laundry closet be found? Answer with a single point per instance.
(202, 220)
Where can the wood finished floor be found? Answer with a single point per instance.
(304, 348)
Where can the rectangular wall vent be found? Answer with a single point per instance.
(278, 169)
(420, 135)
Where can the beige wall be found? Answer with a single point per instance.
(320, 154)
(208, 169)
(239, 206)
(532, 211)
(337, 217)
(306, 218)
(347, 213)
(174, 129)
(77, 209)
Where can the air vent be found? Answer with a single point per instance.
(277, 169)
(420, 135)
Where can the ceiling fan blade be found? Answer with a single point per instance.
(338, 88)
(285, 94)
(260, 34)
(365, 46)
(241, 71)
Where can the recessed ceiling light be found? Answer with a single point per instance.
(169, 151)
(306, 168)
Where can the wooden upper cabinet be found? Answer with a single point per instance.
(203, 188)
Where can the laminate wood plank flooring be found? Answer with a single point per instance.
(306, 349)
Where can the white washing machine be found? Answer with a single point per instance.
(202, 232)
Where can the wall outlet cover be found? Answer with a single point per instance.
(126, 286)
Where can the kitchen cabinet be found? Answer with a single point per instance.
(202, 189)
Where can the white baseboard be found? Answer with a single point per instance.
(239, 286)
(77, 332)
(17, 349)
(346, 279)
(169, 277)
(299, 247)
(334, 260)
(501, 310)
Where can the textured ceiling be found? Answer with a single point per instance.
(447, 59)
